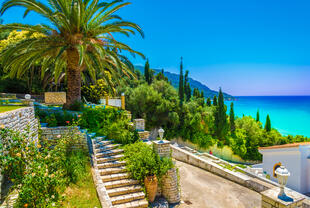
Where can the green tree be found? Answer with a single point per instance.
(220, 118)
(257, 116)
(268, 124)
(187, 87)
(181, 85)
(215, 100)
(208, 102)
(80, 35)
(161, 76)
(202, 94)
(147, 72)
(232, 119)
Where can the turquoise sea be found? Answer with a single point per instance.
(290, 115)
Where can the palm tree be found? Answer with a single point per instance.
(80, 36)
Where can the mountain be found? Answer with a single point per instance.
(174, 78)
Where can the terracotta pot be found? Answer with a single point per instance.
(151, 184)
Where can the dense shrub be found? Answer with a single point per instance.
(93, 93)
(41, 171)
(142, 161)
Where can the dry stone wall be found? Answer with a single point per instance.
(19, 120)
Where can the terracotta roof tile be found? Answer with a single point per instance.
(285, 146)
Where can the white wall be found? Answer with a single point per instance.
(291, 159)
(112, 102)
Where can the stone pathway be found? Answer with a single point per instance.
(122, 191)
(202, 189)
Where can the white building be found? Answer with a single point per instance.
(295, 157)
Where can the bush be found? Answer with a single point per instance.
(41, 171)
(94, 93)
(142, 161)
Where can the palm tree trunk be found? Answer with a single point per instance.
(73, 77)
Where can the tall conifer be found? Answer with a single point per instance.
(268, 124)
(147, 71)
(181, 84)
(215, 100)
(220, 118)
(232, 119)
(208, 101)
(257, 116)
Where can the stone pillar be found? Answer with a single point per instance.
(139, 124)
(123, 101)
(162, 148)
(107, 100)
(169, 189)
(270, 199)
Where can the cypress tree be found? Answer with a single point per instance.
(232, 119)
(257, 116)
(268, 124)
(202, 94)
(208, 102)
(187, 87)
(147, 71)
(220, 118)
(215, 100)
(181, 84)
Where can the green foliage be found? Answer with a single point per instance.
(232, 119)
(121, 132)
(147, 73)
(215, 100)
(51, 120)
(55, 118)
(94, 93)
(257, 116)
(161, 76)
(181, 84)
(41, 171)
(157, 103)
(142, 160)
(221, 118)
(187, 87)
(268, 124)
(208, 102)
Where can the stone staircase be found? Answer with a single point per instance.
(122, 191)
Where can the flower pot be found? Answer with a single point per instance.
(151, 184)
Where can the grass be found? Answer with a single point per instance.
(83, 194)
(9, 108)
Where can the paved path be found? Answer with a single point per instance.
(202, 189)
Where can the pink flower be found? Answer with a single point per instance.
(67, 122)
(58, 136)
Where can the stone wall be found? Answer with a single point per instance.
(53, 133)
(19, 120)
(270, 199)
(162, 148)
(57, 98)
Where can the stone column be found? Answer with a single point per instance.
(270, 199)
(162, 148)
(169, 189)
(107, 100)
(123, 101)
(139, 124)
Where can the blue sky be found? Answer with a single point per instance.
(247, 47)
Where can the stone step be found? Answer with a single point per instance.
(99, 139)
(114, 177)
(102, 148)
(124, 190)
(141, 203)
(121, 199)
(109, 171)
(109, 153)
(109, 158)
(111, 164)
(120, 183)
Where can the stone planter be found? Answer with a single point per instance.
(151, 185)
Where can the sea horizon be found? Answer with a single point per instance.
(290, 115)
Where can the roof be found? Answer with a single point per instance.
(292, 145)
